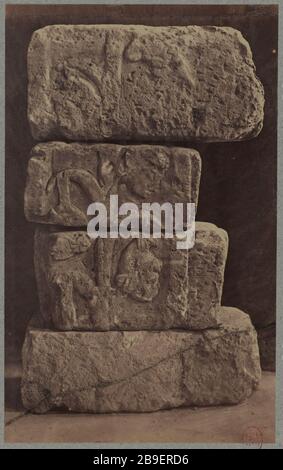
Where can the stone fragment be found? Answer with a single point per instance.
(129, 284)
(63, 179)
(139, 83)
(206, 266)
(267, 347)
(140, 371)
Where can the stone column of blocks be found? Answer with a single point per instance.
(133, 324)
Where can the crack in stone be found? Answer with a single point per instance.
(17, 418)
(202, 338)
(136, 374)
(26, 412)
(101, 385)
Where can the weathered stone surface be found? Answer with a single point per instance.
(129, 284)
(104, 82)
(63, 179)
(267, 347)
(206, 266)
(142, 370)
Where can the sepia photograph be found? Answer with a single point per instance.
(141, 145)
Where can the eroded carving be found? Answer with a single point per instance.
(63, 179)
(69, 278)
(139, 271)
(142, 82)
(130, 284)
(88, 184)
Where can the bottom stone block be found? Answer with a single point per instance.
(267, 347)
(140, 371)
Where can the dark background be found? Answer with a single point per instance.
(238, 185)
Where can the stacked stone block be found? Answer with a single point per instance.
(133, 324)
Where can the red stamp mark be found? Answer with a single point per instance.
(253, 436)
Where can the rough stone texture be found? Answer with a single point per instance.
(267, 347)
(63, 179)
(142, 370)
(103, 82)
(129, 284)
(234, 176)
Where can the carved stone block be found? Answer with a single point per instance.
(129, 284)
(63, 179)
(140, 371)
(105, 82)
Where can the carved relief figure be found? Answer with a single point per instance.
(63, 179)
(73, 86)
(142, 174)
(94, 188)
(134, 177)
(70, 277)
(139, 271)
(160, 58)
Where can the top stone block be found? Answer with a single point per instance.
(142, 83)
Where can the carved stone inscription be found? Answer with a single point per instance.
(105, 82)
(129, 284)
(63, 179)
